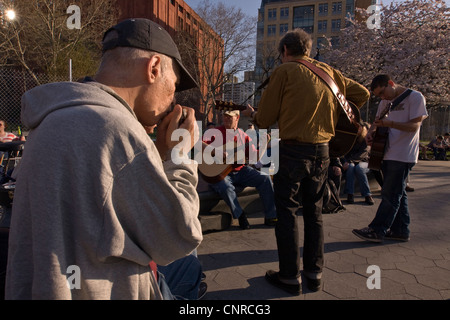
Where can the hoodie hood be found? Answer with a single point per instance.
(39, 102)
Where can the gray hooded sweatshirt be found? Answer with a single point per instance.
(93, 200)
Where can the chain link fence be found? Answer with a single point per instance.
(13, 84)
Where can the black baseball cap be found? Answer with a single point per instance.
(147, 35)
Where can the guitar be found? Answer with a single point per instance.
(346, 132)
(379, 142)
(380, 138)
(213, 173)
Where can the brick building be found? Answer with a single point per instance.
(179, 20)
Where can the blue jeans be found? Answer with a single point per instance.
(359, 171)
(181, 279)
(246, 177)
(303, 168)
(393, 211)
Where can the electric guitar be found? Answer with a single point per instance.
(380, 138)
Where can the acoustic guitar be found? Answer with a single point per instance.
(379, 142)
(380, 138)
(216, 172)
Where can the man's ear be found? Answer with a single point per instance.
(391, 83)
(153, 68)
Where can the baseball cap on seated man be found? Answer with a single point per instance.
(147, 35)
(232, 113)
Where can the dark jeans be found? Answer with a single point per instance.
(306, 166)
(393, 211)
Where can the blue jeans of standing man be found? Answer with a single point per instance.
(246, 177)
(304, 165)
(358, 170)
(393, 211)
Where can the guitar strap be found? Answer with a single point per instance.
(333, 86)
(399, 100)
(395, 103)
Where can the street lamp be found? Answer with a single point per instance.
(10, 14)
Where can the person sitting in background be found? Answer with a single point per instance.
(4, 135)
(439, 148)
(356, 165)
(243, 175)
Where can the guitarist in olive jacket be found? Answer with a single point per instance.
(306, 112)
(401, 111)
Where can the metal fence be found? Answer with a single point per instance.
(13, 84)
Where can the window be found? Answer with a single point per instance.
(322, 26)
(272, 14)
(336, 8)
(335, 25)
(283, 28)
(284, 13)
(304, 18)
(172, 2)
(271, 30)
(350, 7)
(323, 9)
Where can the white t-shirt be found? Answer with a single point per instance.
(401, 145)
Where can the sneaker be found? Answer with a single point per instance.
(273, 278)
(350, 199)
(369, 200)
(270, 221)
(243, 222)
(409, 189)
(397, 237)
(367, 234)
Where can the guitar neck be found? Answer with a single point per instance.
(385, 112)
(228, 106)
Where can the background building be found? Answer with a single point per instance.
(323, 19)
(239, 92)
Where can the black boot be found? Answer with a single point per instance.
(243, 222)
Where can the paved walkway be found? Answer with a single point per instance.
(235, 261)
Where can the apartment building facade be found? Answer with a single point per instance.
(320, 18)
(239, 92)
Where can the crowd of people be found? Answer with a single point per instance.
(129, 219)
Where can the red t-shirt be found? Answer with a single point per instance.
(8, 137)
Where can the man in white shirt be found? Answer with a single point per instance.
(401, 154)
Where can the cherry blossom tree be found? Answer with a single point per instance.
(411, 44)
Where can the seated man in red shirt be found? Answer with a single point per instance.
(243, 175)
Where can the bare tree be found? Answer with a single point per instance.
(227, 49)
(40, 39)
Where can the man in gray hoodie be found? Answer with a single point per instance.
(96, 200)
